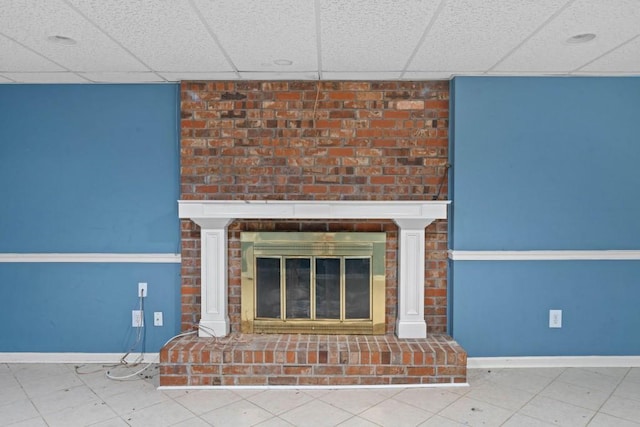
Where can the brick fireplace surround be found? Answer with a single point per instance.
(314, 141)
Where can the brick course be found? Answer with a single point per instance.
(302, 140)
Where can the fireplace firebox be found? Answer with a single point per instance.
(321, 283)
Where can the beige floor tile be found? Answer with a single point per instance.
(356, 421)
(633, 375)
(203, 401)
(240, 413)
(135, 400)
(395, 413)
(316, 414)
(35, 386)
(576, 395)
(162, 414)
(113, 422)
(628, 389)
(628, 409)
(556, 412)
(33, 422)
(25, 371)
(476, 377)
(521, 379)
(192, 422)
(474, 412)
(16, 411)
(604, 420)
(11, 391)
(275, 422)
(552, 373)
(618, 373)
(82, 415)
(354, 401)
(589, 379)
(519, 420)
(428, 399)
(65, 398)
(438, 421)
(501, 396)
(279, 401)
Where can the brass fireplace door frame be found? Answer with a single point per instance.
(305, 244)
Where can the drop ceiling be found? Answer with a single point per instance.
(133, 41)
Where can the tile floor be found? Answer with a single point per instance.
(63, 395)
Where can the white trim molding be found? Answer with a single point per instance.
(11, 357)
(560, 255)
(91, 257)
(553, 362)
(213, 217)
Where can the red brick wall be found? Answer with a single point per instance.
(314, 141)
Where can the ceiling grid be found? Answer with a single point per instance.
(120, 41)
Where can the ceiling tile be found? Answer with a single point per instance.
(613, 21)
(308, 75)
(14, 57)
(472, 35)
(256, 33)
(31, 22)
(165, 35)
(113, 77)
(65, 77)
(366, 35)
(528, 73)
(361, 75)
(176, 77)
(427, 75)
(623, 59)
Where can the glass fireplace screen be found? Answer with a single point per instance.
(313, 282)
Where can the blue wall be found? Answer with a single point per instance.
(87, 169)
(545, 164)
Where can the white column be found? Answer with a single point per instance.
(214, 315)
(411, 254)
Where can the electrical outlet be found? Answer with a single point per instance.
(157, 318)
(142, 289)
(555, 318)
(137, 319)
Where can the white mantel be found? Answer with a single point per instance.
(412, 217)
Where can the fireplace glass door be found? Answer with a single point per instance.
(313, 288)
(311, 282)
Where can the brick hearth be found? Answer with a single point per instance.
(302, 360)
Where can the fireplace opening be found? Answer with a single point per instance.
(327, 283)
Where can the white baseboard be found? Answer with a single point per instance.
(72, 357)
(554, 362)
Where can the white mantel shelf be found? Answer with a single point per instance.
(412, 217)
(304, 209)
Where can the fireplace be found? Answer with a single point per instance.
(319, 157)
(321, 283)
(404, 354)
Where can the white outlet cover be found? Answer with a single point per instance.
(157, 318)
(137, 320)
(555, 318)
(142, 289)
